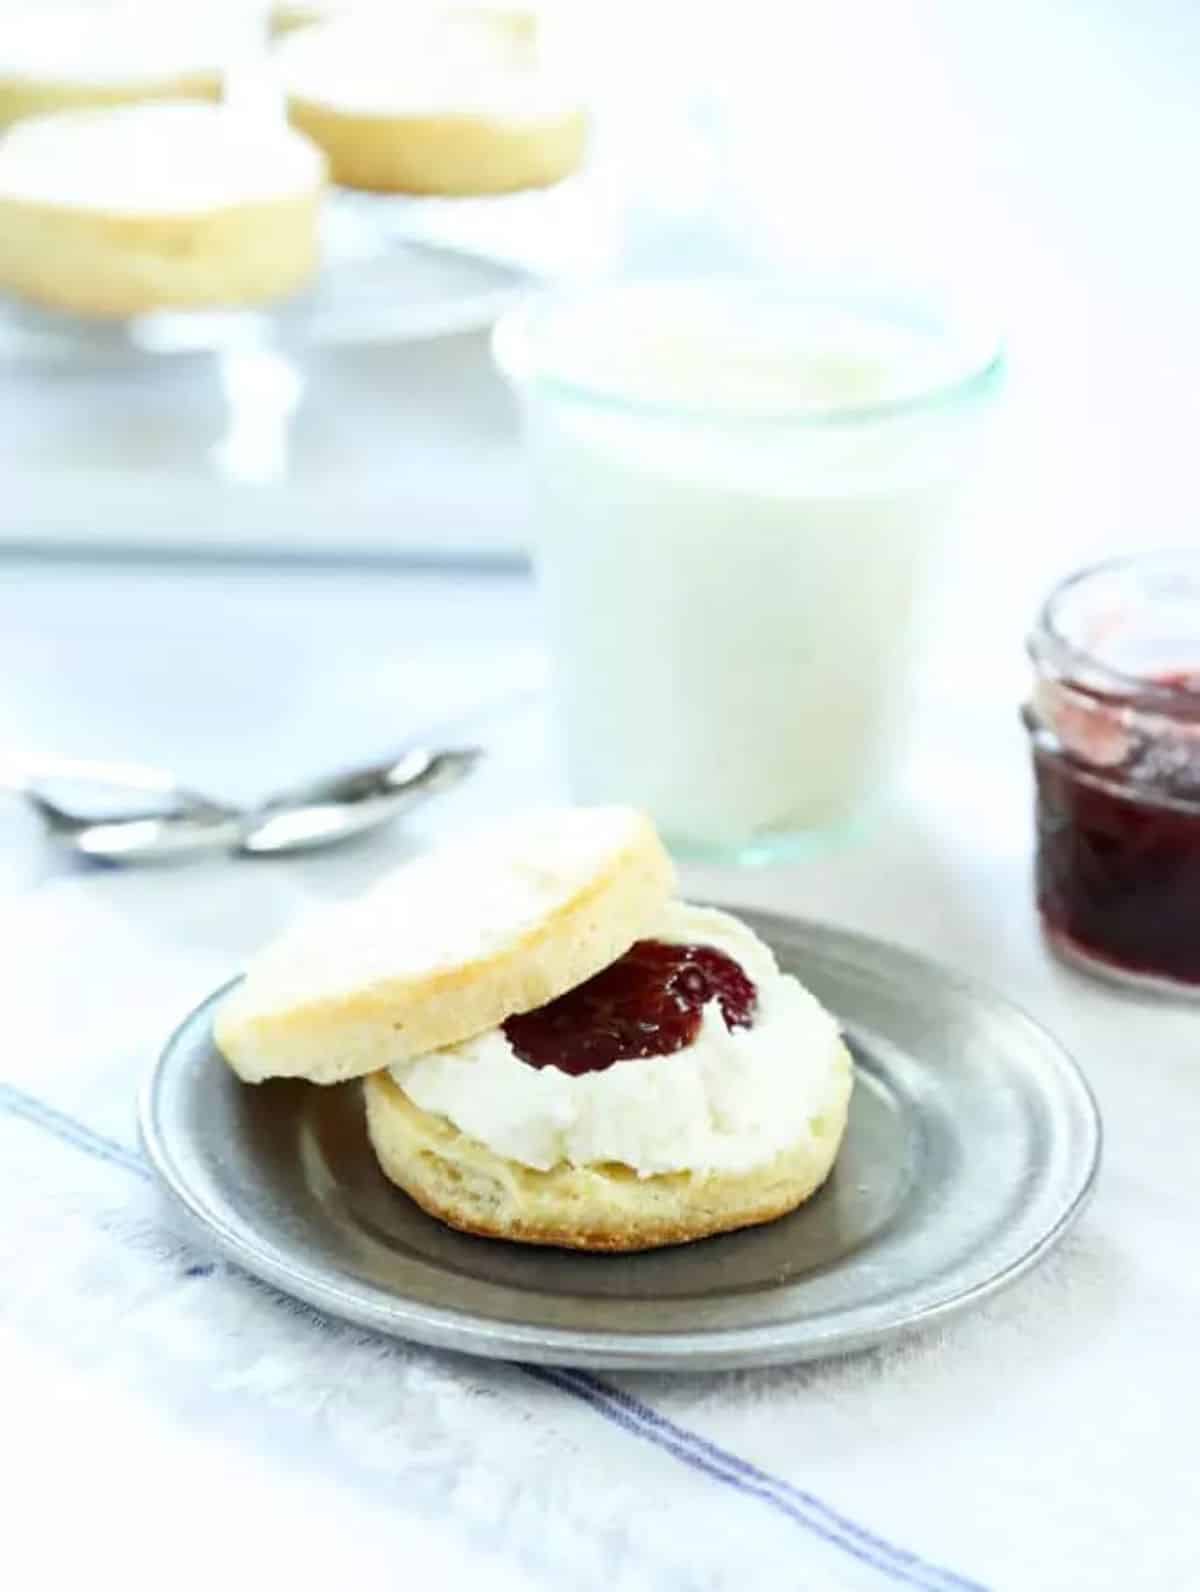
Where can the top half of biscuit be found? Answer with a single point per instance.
(448, 946)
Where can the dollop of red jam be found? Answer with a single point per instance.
(647, 1003)
(1118, 876)
(1118, 856)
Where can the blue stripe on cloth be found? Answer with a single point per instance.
(820, 1517)
(697, 1460)
(619, 1408)
(16, 1103)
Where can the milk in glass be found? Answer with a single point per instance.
(738, 492)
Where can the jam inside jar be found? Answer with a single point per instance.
(1114, 725)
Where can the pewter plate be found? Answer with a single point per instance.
(972, 1145)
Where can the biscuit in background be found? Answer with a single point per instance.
(123, 211)
(457, 108)
(64, 57)
(521, 24)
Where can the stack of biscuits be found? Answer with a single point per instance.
(127, 186)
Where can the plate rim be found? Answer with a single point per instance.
(41, 337)
(438, 1326)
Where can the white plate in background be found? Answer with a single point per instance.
(363, 419)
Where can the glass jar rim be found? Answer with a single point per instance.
(972, 375)
(1082, 668)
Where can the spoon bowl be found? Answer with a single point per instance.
(327, 811)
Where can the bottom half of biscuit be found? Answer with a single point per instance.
(596, 1207)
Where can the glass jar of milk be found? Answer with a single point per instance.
(740, 486)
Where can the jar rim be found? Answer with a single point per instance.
(1048, 643)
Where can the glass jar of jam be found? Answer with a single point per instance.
(1114, 723)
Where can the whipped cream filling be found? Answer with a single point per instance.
(730, 1101)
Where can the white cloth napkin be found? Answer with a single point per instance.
(187, 1423)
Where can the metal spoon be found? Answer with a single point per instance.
(341, 805)
(182, 822)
